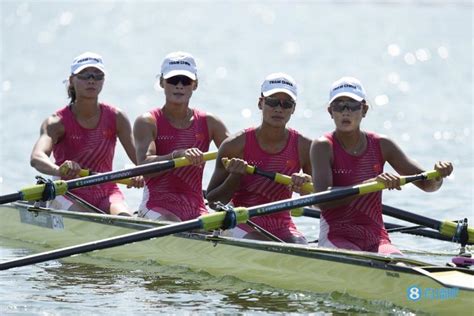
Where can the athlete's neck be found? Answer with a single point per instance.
(353, 142)
(179, 117)
(176, 111)
(85, 108)
(272, 139)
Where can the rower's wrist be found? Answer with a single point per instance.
(57, 171)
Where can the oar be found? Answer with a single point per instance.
(35, 192)
(275, 176)
(86, 173)
(211, 221)
(446, 228)
(391, 228)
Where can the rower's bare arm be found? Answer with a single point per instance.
(217, 130)
(299, 179)
(321, 162)
(403, 165)
(50, 132)
(223, 184)
(144, 134)
(125, 135)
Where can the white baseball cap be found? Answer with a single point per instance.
(86, 60)
(347, 87)
(279, 82)
(179, 63)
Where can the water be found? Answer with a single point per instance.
(414, 58)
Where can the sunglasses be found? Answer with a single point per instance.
(90, 75)
(274, 102)
(351, 105)
(186, 81)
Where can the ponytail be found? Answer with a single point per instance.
(71, 92)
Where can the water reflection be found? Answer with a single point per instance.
(148, 287)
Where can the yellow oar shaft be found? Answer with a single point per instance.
(179, 162)
(35, 192)
(446, 228)
(207, 222)
(275, 176)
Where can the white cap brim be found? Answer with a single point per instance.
(354, 96)
(81, 68)
(276, 90)
(173, 73)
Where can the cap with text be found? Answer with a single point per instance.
(347, 87)
(179, 63)
(279, 82)
(86, 60)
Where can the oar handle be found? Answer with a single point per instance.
(447, 228)
(208, 222)
(183, 161)
(249, 169)
(35, 192)
(365, 187)
(178, 162)
(214, 221)
(275, 176)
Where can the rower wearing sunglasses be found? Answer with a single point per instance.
(82, 135)
(349, 156)
(172, 131)
(271, 146)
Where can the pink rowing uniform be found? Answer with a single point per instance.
(178, 191)
(256, 189)
(93, 149)
(358, 225)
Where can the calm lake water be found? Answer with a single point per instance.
(414, 58)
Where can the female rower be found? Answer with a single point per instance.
(83, 135)
(271, 146)
(172, 131)
(349, 156)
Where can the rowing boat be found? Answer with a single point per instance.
(412, 284)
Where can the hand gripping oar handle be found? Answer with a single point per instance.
(35, 192)
(446, 228)
(275, 176)
(308, 187)
(207, 222)
(334, 194)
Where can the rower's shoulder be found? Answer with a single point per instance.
(322, 141)
(211, 116)
(145, 118)
(321, 147)
(53, 125)
(214, 121)
(304, 141)
(53, 121)
(234, 143)
(385, 141)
